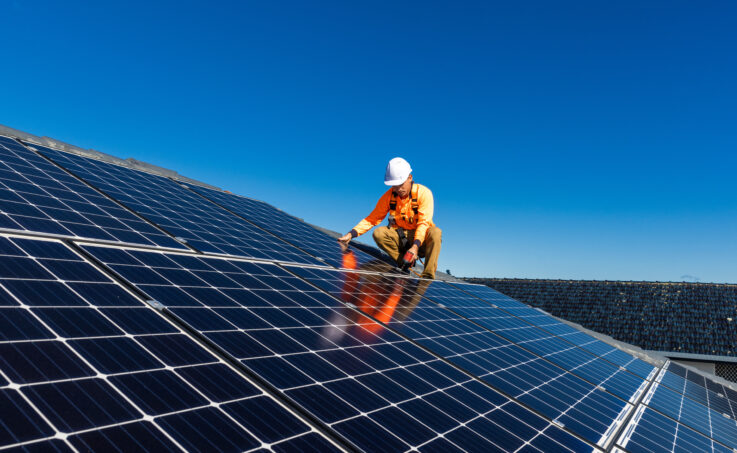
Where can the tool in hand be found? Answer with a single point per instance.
(408, 260)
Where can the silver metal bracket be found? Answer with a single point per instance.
(155, 304)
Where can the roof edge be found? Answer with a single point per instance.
(626, 282)
(696, 357)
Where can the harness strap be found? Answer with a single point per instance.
(414, 203)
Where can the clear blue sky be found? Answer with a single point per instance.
(585, 140)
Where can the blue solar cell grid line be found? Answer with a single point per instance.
(184, 214)
(86, 365)
(584, 394)
(37, 196)
(706, 397)
(377, 389)
(593, 368)
(693, 411)
(289, 228)
(704, 390)
(649, 431)
(683, 406)
(552, 325)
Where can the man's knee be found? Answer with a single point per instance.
(386, 237)
(380, 233)
(435, 234)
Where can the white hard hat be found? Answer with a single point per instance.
(397, 171)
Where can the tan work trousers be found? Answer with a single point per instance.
(388, 240)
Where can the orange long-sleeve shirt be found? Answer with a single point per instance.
(423, 219)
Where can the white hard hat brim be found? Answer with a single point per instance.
(395, 182)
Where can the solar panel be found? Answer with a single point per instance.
(530, 368)
(560, 329)
(700, 387)
(380, 391)
(289, 228)
(37, 196)
(706, 397)
(178, 211)
(85, 364)
(595, 369)
(681, 407)
(650, 431)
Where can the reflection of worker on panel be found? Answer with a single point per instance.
(386, 299)
(411, 232)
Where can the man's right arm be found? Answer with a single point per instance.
(373, 219)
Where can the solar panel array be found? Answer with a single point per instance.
(560, 329)
(38, 196)
(85, 364)
(287, 227)
(695, 412)
(139, 313)
(533, 367)
(374, 387)
(180, 212)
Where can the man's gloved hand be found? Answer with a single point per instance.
(343, 241)
(414, 250)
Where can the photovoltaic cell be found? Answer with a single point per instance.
(515, 357)
(37, 196)
(700, 388)
(692, 413)
(650, 431)
(378, 390)
(687, 411)
(117, 375)
(706, 397)
(515, 321)
(179, 211)
(552, 325)
(290, 229)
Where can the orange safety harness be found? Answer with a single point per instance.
(415, 206)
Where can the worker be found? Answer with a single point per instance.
(411, 231)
